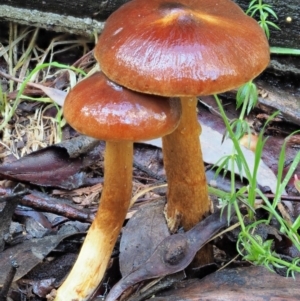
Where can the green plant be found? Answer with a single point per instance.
(246, 99)
(247, 95)
(8, 110)
(297, 183)
(21, 52)
(263, 10)
(249, 245)
(3, 102)
(283, 50)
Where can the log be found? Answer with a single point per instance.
(81, 17)
(88, 16)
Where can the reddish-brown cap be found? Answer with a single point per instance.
(181, 47)
(104, 110)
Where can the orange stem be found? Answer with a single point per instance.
(188, 200)
(96, 250)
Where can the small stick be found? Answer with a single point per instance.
(8, 281)
(149, 172)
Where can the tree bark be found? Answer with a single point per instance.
(82, 17)
(99, 10)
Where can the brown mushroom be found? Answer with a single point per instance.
(183, 48)
(101, 109)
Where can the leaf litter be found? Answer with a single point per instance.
(71, 167)
(214, 149)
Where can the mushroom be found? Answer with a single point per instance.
(104, 110)
(249, 141)
(182, 48)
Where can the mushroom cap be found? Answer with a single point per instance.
(99, 108)
(181, 47)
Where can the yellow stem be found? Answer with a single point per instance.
(96, 250)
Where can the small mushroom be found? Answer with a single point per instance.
(104, 110)
(182, 48)
(249, 142)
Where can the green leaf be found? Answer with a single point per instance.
(282, 50)
(272, 24)
(297, 183)
(296, 224)
(270, 10)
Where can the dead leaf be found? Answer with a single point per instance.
(51, 166)
(246, 283)
(56, 95)
(28, 254)
(173, 254)
(143, 232)
(213, 149)
(43, 287)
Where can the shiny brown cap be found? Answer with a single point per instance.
(181, 47)
(104, 110)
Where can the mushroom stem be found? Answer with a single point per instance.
(96, 250)
(188, 200)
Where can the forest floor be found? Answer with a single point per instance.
(52, 178)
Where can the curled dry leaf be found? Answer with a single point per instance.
(56, 95)
(48, 167)
(143, 232)
(173, 254)
(28, 254)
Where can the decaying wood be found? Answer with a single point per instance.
(82, 17)
(98, 10)
(277, 99)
